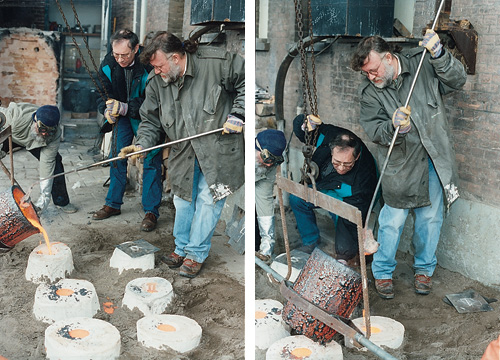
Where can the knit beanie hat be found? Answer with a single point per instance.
(272, 140)
(49, 115)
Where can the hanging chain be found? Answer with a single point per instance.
(99, 89)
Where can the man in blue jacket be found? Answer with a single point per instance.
(124, 78)
(347, 172)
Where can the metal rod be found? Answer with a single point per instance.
(396, 131)
(268, 269)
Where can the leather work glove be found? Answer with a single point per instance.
(233, 125)
(432, 43)
(110, 118)
(45, 193)
(312, 122)
(401, 118)
(116, 108)
(131, 149)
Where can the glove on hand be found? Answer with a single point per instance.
(233, 125)
(45, 193)
(401, 118)
(116, 107)
(432, 43)
(312, 122)
(130, 149)
(110, 118)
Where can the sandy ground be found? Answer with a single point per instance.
(215, 299)
(433, 329)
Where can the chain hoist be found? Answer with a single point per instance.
(310, 169)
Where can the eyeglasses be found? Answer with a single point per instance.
(346, 165)
(122, 56)
(268, 157)
(46, 130)
(375, 71)
(159, 67)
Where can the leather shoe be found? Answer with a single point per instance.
(384, 288)
(149, 222)
(308, 249)
(105, 213)
(190, 268)
(173, 260)
(423, 284)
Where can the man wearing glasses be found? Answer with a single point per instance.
(269, 147)
(37, 129)
(124, 78)
(347, 172)
(422, 164)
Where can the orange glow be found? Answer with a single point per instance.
(373, 329)
(151, 287)
(109, 307)
(301, 352)
(78, 333)
(166, 327)
(260, 314)
(64, 292)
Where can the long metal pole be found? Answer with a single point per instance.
(396, 132)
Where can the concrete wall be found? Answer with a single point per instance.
(469, 237)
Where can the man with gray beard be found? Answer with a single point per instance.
(37, 129)
(194, 91)
(269, 147)
(421, 168)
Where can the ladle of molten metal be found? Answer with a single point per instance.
(26, 198)
(371, 245)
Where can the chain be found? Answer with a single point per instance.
(105, 95)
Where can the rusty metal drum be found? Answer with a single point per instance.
(329, 285)
(14, 223)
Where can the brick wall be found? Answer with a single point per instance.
(123, 12)
(29, 69)
(26, 13)
(473, 112)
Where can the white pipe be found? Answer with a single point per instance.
(134, 26)
(144, 6)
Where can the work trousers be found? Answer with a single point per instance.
(428, 221)
(151, 177)
(195, 220)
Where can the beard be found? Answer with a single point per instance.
(174, 73)
(261, 169)
(34, 134)
(386, 78)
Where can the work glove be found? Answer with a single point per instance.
(131, 149)
(401, 118)
(312, 122)
(233, 125)
(432, 43)
(116, 108)
(45, 193)
(109, 117)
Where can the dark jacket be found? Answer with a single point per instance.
(405, 183)
(113, 77)
(212, 87)
(355, 187)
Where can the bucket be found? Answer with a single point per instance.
(330, 286)
(14, 225)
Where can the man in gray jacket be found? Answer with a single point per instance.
(193, 91)
(422, 163)
(37, 129)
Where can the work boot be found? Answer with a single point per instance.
(308, 249)
(149, 222)
(173, 260)
(423, 284)
(384, 288)
(68, 209)
(105, 213)
(190, 268)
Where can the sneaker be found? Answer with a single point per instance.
(105, 213)
(68, 209)
(190, 268)
(423, 284)
(173, 260)
(149, 222)
(384, 288)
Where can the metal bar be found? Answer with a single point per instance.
(268, 269)
(285, 234)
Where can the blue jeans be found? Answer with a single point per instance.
(151, 178)
(195, 220)
(428, 221)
